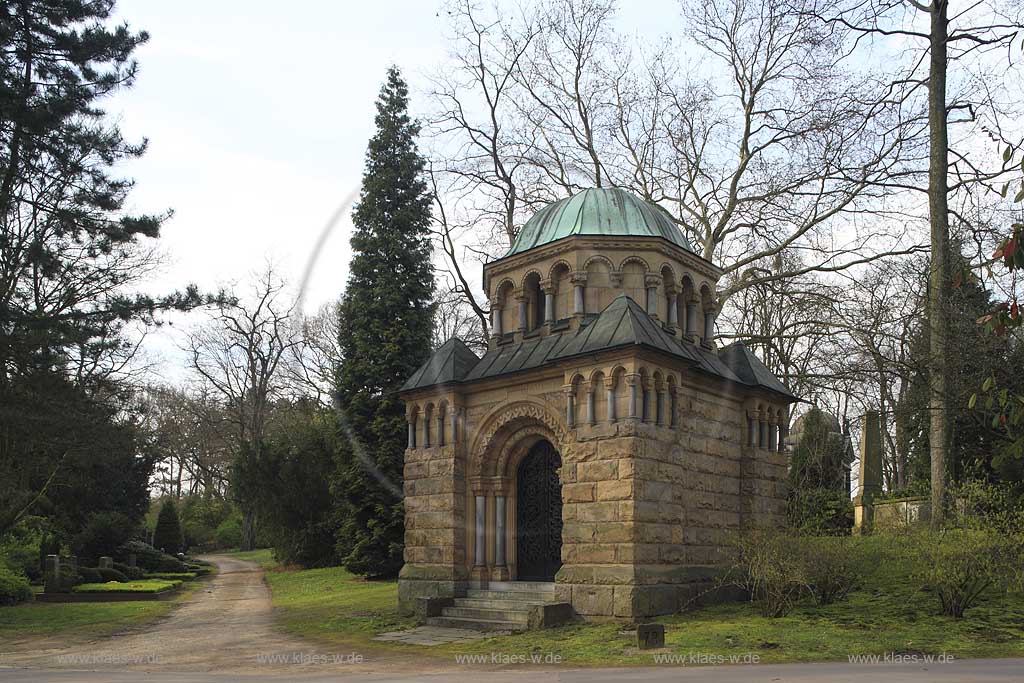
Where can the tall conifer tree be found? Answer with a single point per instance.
(386, 320)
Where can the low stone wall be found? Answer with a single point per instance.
(900, 513)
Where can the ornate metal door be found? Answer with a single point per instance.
(538, 515)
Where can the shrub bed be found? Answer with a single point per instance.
(172, 576)
(14, 588)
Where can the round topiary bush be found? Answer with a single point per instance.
(90, 575)
(14, 588)
(109, 574)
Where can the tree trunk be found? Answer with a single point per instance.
(248, 530)
(939, 281)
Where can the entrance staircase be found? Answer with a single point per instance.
(502, 606)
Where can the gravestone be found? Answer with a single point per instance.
(51, 574)
(106, 562)
(869, 479)
(650, 636)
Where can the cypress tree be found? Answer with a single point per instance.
(167, 534)
(386, 319)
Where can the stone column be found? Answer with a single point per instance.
(709, 325)
(648, 389)
(570, 405)
(412, 429)
(591, 390)
(549, 301)
(579, 281)
(440, 428)
(496, 330)
(499, 531)
(454, 418)
(633, 381)
(522, 300)
(480, 538)
(651, 282)
(673, 312)
(609, 385)
(691, 319)
(659, 411)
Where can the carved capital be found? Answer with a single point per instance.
(615, 277)
(549, 286)
(578, 277)
(651, 280)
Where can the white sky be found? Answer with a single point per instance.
(258, 114)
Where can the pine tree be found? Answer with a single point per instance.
(167, 534)
(386, 319)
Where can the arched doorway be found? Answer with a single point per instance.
(538, 514)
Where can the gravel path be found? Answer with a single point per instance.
(225, 626)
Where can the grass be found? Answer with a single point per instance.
(333, 605)
(140, 586)
(79, 620)
(888, 615)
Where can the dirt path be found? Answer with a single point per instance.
(225, 626)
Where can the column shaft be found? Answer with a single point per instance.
(499, 531)
(691, 318)
(480, 549)
(549, 306)
(709, 326)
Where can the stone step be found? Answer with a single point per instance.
(526, 586)
(489, 614)
(498, 603)
(532, 598)
(476, 624)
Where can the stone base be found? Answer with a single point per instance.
(633, 593)
(410, 591)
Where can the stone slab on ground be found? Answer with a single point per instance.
(432, 635)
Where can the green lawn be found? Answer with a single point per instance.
(333, 606)
(80, 620)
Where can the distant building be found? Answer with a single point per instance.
(604, 445)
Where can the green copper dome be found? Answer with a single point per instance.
(598, 211)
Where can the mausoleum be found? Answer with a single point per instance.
(604, 445)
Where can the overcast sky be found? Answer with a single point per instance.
(258, 114)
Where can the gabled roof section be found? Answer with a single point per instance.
(452, 361)
(750, 369)
(622, 323)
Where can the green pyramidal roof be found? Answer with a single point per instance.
(598, 211)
